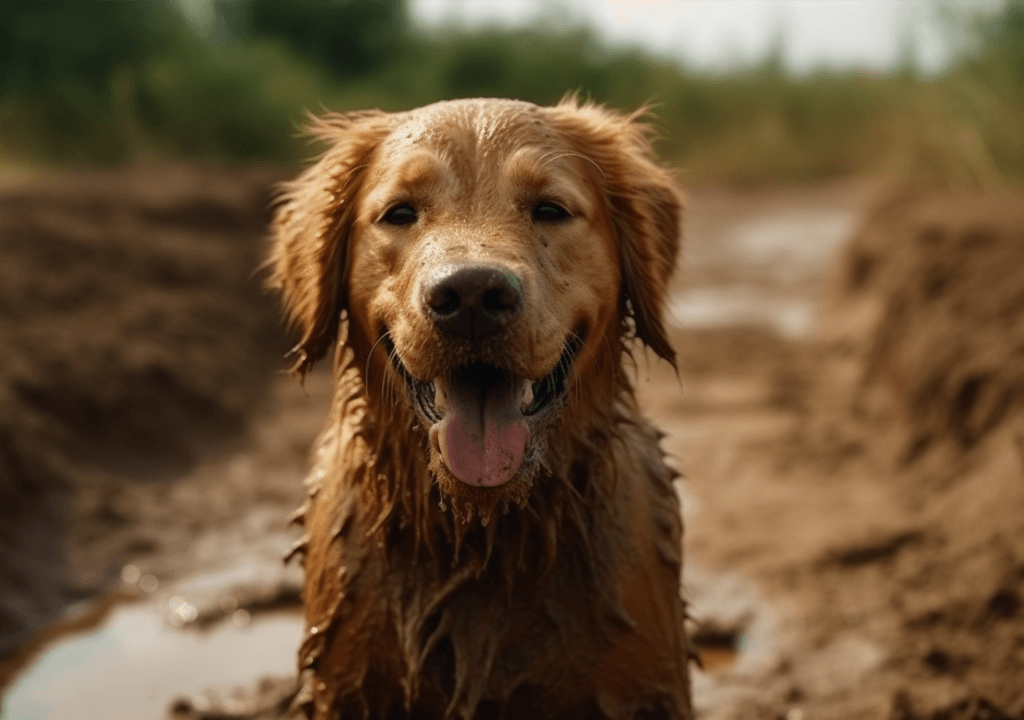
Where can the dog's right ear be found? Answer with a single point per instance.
(310, 231)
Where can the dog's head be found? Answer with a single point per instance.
(489, 253)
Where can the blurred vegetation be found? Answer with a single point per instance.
(88, 81)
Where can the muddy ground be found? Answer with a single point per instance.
(869, 477)
(848, 420)
(137, 346)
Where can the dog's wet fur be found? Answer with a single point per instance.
(491, 529)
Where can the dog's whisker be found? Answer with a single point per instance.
(575, 377)
(369, 355)
(581, 156)
(389, 383)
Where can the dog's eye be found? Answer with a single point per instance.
(400, 215)
(549, 212)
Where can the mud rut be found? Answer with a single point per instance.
(785, 633)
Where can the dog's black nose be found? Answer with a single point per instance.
(473, 300)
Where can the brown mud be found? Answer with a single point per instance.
(869, 477)
(849, 422)
(137, 345)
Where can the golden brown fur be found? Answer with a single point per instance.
(556, 593)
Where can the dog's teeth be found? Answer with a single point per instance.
(527, 396)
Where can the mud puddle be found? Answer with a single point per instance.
(736, 306)
(717, 659)
(748, 261)
(212, 607)
(135, 662)
(235, 618)
(760, 261)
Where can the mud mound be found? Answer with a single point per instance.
(936, 289)
(926, 321)
(135, 338)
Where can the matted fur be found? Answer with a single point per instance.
(555, 595)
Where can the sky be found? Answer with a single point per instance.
(721, 35)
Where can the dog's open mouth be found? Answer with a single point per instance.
(481, 415)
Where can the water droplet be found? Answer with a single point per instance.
(130, 574)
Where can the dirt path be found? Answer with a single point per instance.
(853, 525)
(209, 542)
(205, 602)
(808, 560)
(749, 303)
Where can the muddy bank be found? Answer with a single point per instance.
(869, 478)
(854, 467)
(137, 342)
(927, 318)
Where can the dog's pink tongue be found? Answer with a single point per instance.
(483, 434)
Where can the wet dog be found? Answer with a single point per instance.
(491, 529)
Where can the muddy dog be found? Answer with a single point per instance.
(491, 529)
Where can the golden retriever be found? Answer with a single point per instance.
(491, 529)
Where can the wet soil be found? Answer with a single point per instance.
(138, 346)
(867, 478)
(838, 565)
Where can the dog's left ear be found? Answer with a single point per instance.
(310, 231)
(645, 208)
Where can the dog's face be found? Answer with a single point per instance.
(487, 253)
(482, 255)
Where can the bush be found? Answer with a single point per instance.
(107, 80)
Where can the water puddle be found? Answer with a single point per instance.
(768, 271)
(733, 305)
(130, 661)
(134, 663)
(794, 247)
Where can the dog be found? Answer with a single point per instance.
(491, 529)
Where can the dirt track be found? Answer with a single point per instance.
(869, 479)
(854, 473)
(136, 345)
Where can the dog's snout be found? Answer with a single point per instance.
(473, 300)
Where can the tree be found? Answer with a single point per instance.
(349, 38)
